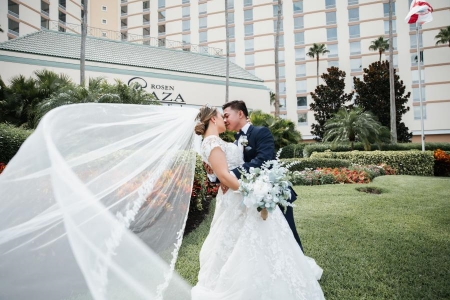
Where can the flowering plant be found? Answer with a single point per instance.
(266, 187)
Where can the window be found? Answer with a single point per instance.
(355, 48)
(302, 119)
(302, 102)
(333, 63)
(415, 76)
(413, 41)
(161, 16)
(248, 29)
(394, 41)
(356, 64)
(414, 58)
(281, 71)
(299, 38)
(248, 15)
(202, 8)
(332, 34)
(202, 22)
(386, 27)
(386, 9)
(301, 86)
(203, 36)
(300, 70)
(146, 5)
(231, 32)
(232, 47)
(146, 19)
(233, 59)
(161, 29)
(298, 7)
(330, 3)
(186, 38)
(185, 11)
(275, 25)
(104, 34)
(230, 18)
(248, 2)
(417, 112)
(281, 56)
(283, 104)
(299, 54)
(230, 4)
(146, 32)
(354, 31)
(161, 3)
(282, 88)
(353, 2)
(103, 21)
(124, 10)
(275, 11)
(298, 23)
(333, 48)
(249, 60)
(331, 17)
(249, 45)
(104, 8)
(186, 25)
(353, 14)
(415, 92)
(185, 1)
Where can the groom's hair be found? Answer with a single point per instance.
(237, 105)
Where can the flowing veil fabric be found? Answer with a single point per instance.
(94, 204)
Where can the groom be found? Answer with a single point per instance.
(260, 147)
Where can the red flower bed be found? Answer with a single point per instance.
(344, 175)
(441, 163)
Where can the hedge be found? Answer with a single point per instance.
(11, 138)
(293, 150)
(405, 162)
(314, 163)
(322, 147)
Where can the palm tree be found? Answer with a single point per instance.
(349, 125)
(315, 51)
(227, 43)
(277, 70)
(443, 36)
(83, 43)
(283, 130)
(381, 45)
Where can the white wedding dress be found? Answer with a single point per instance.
(247, 258)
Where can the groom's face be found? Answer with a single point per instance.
(233, 119)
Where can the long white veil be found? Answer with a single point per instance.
(94, 204)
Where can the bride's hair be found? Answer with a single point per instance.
(205, 114)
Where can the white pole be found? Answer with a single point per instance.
(420, 85)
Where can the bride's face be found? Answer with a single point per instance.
(219, 122)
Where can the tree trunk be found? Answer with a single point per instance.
(391, 79)
(227, 42)
(380, 54)
(83, 43)
(317, 69)
(277, 72)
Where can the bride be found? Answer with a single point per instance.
(245, 257)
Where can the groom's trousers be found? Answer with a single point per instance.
(289, 215)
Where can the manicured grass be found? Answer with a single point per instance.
(393, 245)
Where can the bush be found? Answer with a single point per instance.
(405, 162)
(293, 151)
(441, 163)
(314, 163)
(322, 147)
(11, 138)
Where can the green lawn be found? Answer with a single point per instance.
(395, 245)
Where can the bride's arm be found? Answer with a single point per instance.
(219, 164)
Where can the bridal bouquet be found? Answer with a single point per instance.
(266, 187)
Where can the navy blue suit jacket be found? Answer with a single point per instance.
(260, 148)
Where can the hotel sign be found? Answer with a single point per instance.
(161, 92)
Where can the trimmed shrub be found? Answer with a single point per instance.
(322, 147)
(405, 162)
(314, 163)
(293, 151)
(11, 138)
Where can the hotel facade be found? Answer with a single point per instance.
(346, 27)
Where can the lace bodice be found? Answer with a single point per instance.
(233, 153)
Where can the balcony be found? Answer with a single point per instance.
(11, 13)
(45, 13)
(62, 7)
(123, 1)
(146, 9)
(146, 22)
(15, 33)
(124, 27)
(124, 14)
(62, 22)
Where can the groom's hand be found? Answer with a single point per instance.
(208, 169)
